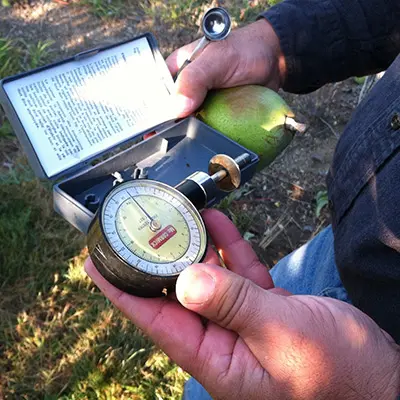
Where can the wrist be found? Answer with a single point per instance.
(276, 57)
(392, 389)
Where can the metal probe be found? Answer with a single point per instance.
(224, 173)
(216, 26)
(241, 161)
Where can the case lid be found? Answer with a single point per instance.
(69, 113)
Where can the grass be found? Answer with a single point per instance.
(177, 14)
(10, 57)
(19, 55)
(59, 337)
(36, 54)
(36, 240)
(242, 220)
(181, 14)
(105, 8)
(6, 130)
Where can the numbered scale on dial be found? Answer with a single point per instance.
(146, 232)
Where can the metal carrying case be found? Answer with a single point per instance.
(81, 121)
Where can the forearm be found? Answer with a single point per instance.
(330, 40)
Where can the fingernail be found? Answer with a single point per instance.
(198, 287)
(183, 104)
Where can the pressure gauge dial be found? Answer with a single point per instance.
(145, 234)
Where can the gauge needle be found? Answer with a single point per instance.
(154, 225)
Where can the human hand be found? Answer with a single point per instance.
(259, 342)
(249, 55)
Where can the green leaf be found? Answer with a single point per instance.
(248, 236)
(359, 80)
(322, 201)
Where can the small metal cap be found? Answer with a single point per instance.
(91, 202)
(216, 24)
(140, 173)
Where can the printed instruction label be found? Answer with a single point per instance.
(79, 109)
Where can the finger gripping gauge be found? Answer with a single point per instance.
(145, 232)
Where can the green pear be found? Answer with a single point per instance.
(254, 116)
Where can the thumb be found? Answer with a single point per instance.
(230, 300)
(191, 88)
(204, 73)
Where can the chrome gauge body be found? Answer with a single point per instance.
(144, 235)
(145, 232)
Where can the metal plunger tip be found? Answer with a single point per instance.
(242, 160)
(218, 176)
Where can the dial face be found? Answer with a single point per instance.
(153, 227)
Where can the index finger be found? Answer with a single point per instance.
(236, 252)
(176, 59)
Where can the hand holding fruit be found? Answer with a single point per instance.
(250, 55)
(230, 87)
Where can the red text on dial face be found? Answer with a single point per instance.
(162, 237)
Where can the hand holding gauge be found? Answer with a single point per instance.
(146, 232)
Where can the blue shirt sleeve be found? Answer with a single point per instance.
(330, 40)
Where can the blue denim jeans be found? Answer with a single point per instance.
(311, 270)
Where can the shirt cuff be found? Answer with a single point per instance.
(312, 42)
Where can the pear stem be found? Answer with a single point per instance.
(295, 126)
